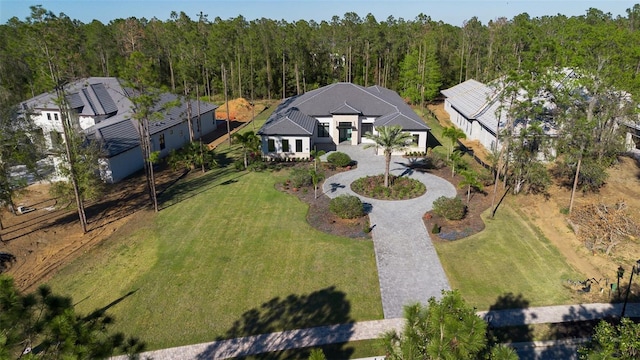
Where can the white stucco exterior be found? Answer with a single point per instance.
(101, 108)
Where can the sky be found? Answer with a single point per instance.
(453, 12)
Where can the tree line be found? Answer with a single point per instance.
(272, 59)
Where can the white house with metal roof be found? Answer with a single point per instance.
(339, 113)
(475, 108)
(102, 109)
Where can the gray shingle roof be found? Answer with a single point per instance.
(346, 109)
(347, 98)
(406, 122)
(292, 122)
(321, 102)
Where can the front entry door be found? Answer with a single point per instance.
(344, 131)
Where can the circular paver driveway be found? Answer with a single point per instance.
(408, 266)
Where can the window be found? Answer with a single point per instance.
(416, 139)
(298, 145)
(162, 144)
(323, 130)
(48, 116)
(271, 144)
(367, 128)
(285, 145)
(55, 116)
(198, 125)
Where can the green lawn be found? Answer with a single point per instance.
(230, 256)
(509, 256)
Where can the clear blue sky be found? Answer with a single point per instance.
(450, 11)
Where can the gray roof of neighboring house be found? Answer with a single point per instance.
(177, 114)
(94, 96)
(116, 138)
(105, 97)
(346, 98)
(475, 101)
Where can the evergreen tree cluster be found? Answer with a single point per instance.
(268, 58)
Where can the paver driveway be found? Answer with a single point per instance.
(408, 266)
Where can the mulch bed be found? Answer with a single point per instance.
(471, 223)
(322, 219)
(319, 215)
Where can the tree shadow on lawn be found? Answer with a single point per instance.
(316, 316)
(197, 185)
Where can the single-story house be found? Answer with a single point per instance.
(102, 109)
(339, 113)
(475, 108)
(478, 110)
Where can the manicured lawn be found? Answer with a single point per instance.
(227, 256)
(509, 256)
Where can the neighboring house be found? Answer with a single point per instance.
(340, 113)
(102, 109)
(633, 137)
(475, 108)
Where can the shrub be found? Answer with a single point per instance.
(191, 157)
(435, 229)
(257, 166)
(437, 160)
(449, 208)
(300, 177)
(401, 188)
(366, 227)
(339, 159)
(346, 206)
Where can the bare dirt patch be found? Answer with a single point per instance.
(623, 183)
(49, 237)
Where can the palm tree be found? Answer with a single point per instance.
(315, 154)
(453, 133)
(316, 177)
(249, 141)
(470, 180)
(390, 138)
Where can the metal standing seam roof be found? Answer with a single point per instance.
(99, 96)
(177, 114)
(119, 137)
(475, 101)
(347, 98)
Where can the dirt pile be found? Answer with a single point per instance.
(239, 110)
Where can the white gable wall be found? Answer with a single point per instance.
(278, 151)
(473, 129)
(120, 166)
(41, 120)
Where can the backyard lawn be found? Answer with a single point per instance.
(227, 256)
(509, 256)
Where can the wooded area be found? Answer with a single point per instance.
(268, 58)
